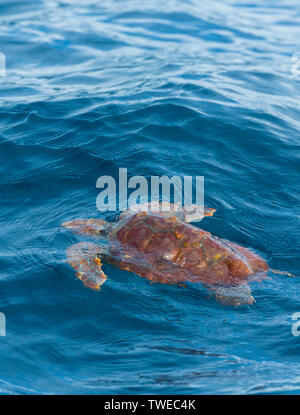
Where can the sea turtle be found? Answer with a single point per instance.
(162, 246)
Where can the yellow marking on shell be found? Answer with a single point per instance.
(98, 261)
(195, 244)
(171, 219)
(143, 213)
(185, 244)
(217, 256)
(127, 256)
(178, 235)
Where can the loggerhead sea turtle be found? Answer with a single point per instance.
(162, 246)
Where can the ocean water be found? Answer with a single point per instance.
(161, 87)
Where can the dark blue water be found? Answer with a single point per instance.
(160, 87)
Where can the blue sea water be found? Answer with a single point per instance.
(161, 87)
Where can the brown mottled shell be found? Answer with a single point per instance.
(169, 249)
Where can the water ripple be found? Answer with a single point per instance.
(160, 87)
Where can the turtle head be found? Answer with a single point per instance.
(91, 227)
(195, 213)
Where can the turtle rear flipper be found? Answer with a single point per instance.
(236, 295)
(85, 258)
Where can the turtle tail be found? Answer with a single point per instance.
(276, 271)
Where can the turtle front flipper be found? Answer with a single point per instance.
(85, 258)
(236, 295)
